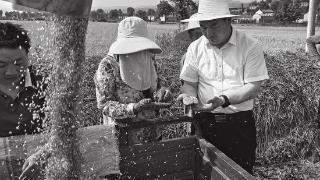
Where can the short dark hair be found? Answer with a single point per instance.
(13, 36)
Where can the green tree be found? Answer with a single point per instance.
(264, 5)
(102, 16)
(184, 8)
(94, 16)
(151, 12)
(120, 14)
(274, 5)
(164, 8)
(114, 14)
(288, 12)
(130, 11)
(142, 14)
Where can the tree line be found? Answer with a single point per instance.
(182, 9)
(116, 14)
(24, 15)
(285, 11)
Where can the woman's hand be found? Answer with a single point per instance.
(163, 95)
(142, 105)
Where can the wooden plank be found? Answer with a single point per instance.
(98, 146)
(158, 160)
(183, 175)
(128, 123)
(221, 166)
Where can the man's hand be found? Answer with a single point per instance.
(187, 99)
(33, 166)
(143, 104)
(211, 105)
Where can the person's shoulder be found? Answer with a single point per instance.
(198, 42)
(197, 45)
(246, 41)
(107, 68)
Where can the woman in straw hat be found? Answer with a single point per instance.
(126, 80)
(224, 69)
(190, 34)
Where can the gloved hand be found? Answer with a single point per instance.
(163, 95)
(143, 104)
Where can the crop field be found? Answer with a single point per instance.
(286, 110)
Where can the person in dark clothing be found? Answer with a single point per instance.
(21, 90)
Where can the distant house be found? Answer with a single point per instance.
(243, 19)
(267, 12)
(151, 18)
(236, 11)
(305, 18)
(168, 19)
(263, 16)
(163, 19)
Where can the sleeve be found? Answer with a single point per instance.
(255, 68)
(105, 82)
(183, 58)
(189, 71)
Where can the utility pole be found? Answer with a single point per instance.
(311, 19)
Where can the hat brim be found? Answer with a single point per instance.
(133, 45)
(200, 17)
(184, 35)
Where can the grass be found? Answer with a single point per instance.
(285, 110)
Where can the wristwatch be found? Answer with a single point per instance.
(226, 101)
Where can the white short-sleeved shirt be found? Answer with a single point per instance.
(218, 71)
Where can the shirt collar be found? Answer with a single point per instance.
(232, 40)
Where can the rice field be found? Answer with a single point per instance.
(101, 35)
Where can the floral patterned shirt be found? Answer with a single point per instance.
(115, 97)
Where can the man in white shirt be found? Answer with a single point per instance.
(224, 69)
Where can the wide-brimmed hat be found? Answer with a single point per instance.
(184, 35)
(133, 37)
(211, 9)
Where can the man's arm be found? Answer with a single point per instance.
(189, 88)
(245, 93)
(188, 93)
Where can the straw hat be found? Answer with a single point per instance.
(211, 9)
(184, 35)
(133, 37)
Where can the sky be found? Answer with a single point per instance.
(6, 6)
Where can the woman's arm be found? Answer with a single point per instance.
(105, 82)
